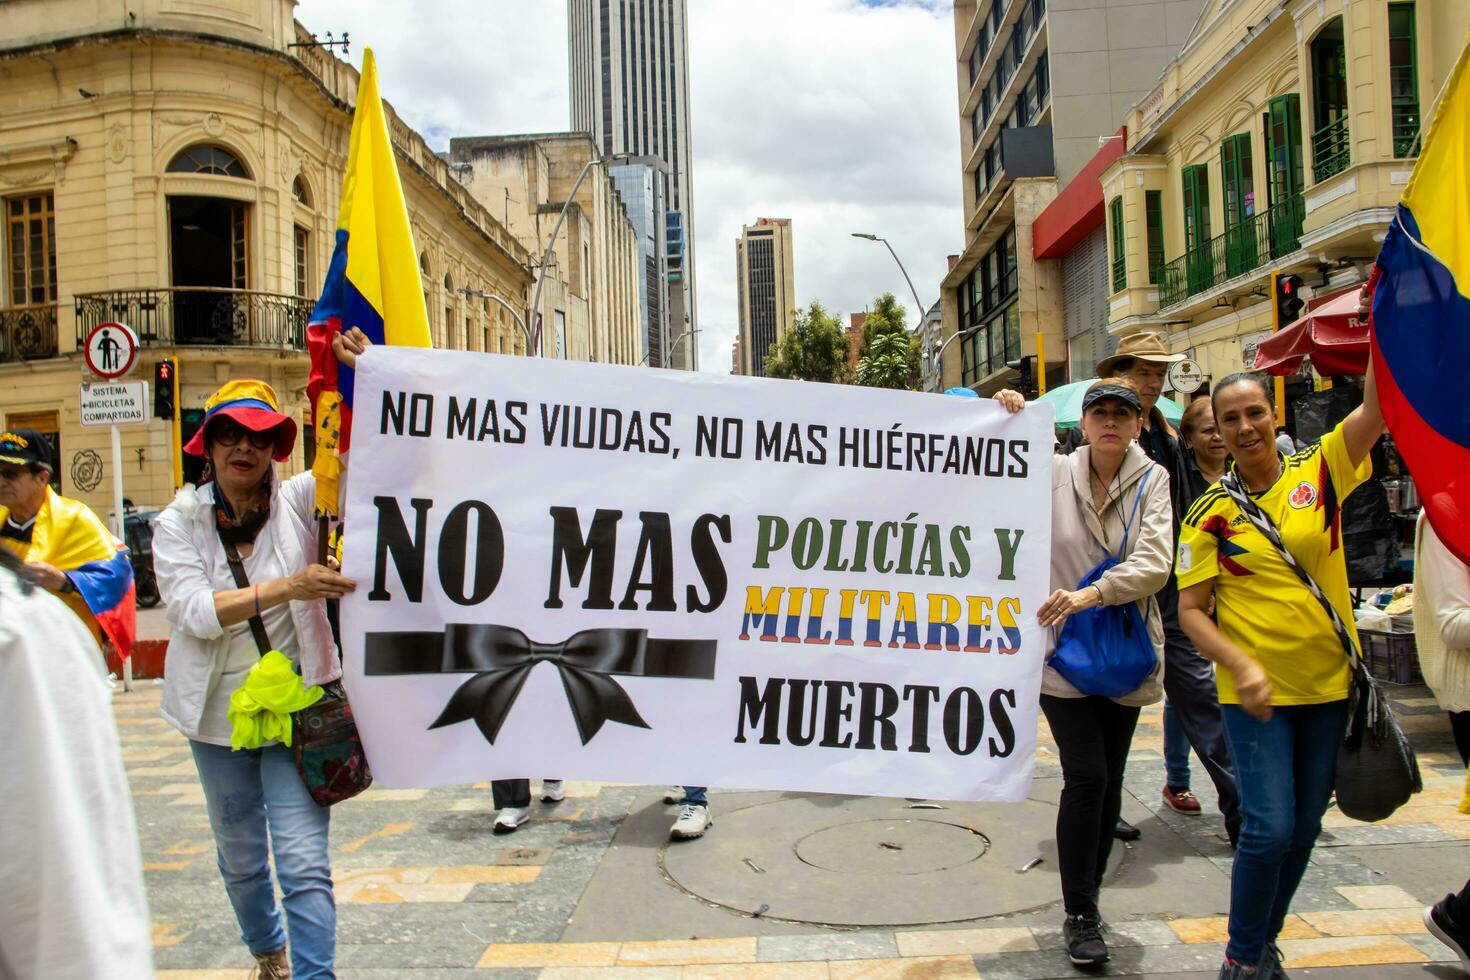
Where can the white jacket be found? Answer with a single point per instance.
(1080, 539)
(190, 565)
(1442, 619)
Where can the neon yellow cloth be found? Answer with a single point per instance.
(260, 709)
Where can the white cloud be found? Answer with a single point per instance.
(836, 114)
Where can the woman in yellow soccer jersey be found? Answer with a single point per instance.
(1283, 676)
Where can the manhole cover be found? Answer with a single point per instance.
(901, 847)
(865, 861)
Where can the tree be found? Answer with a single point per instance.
(813, 349)
(892, 361)
(888, 316)
(890, 357)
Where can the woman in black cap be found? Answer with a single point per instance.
(1108, 498)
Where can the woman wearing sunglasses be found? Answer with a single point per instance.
(220, 622)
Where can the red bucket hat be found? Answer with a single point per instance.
(253, 405)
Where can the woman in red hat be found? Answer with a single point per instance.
(221, 620)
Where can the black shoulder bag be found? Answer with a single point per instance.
(1377, 771)
(324, 741)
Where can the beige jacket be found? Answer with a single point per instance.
(1080, 539)
(1442, 619)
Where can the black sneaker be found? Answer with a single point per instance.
(1270, 968)
(1126, 831)
(1235, 970)
(1085, 944)
(1447, 930)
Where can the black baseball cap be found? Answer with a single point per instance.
(25, 447)
(1122, 393)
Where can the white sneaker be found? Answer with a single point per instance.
(674, 794)
(693, 821)
(511, 817)
(552, 791)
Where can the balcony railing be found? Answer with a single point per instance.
(199, 315)
(1246, 246)
(28, 333)
(1405, 125)
(1331, 151)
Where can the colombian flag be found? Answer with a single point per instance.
(68, 536)
(372, 282)
(1421, 318)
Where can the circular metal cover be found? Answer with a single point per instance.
(865, 861)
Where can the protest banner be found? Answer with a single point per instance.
(596, 572)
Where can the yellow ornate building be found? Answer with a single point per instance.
(1280, 137)
(176, 165)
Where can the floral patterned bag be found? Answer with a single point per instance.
(328, 750)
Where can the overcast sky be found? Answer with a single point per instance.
(838, 114)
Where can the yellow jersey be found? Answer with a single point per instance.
(1260, 604)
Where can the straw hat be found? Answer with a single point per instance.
(1139, 346)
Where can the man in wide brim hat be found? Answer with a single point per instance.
(1189, 680)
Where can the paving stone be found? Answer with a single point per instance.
(1379, 897)
(549, 954)
(925, 968)
(1437, 951)
(758, 971)
(1348, 951)
(950, 942)
(836, 946)
(1366, 922)
(378, 956)
(670, 952)
(1215, 929)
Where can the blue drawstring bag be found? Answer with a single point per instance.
(1106, 650)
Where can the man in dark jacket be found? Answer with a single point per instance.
(1189, 681)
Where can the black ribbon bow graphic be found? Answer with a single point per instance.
(502, 657)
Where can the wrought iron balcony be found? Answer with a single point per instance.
(199, 315)
(1405, 125)
(1331, 151)
(28, 333)
(1248, 246)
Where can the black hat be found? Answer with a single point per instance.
(25, 447)
(1122, 393)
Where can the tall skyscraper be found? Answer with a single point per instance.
(766, 281)
(630, 89)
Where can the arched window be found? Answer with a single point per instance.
(205, 159)
(300, 192)
(448, 285)
(424, 262)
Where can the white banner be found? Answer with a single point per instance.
(582, 571)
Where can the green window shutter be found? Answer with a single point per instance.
(1153, 215)
(1120, 262)
(1403, 77)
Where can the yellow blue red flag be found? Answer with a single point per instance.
(1421, 317)
(372, 282)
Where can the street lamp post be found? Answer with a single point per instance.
(939, 354)
(520, 321)
(686, 333)
(874, 238)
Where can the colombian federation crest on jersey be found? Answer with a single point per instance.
(1305, 495)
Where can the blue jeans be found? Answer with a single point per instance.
(1285, 769)
(248, 793)
(1176, 750)
(696, 795)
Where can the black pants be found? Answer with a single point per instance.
(1460, 725)
(511, 792)
(1092, 735)
(1189, 684)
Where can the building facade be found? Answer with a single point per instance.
(589, 300)
(628, 65)
(180, 170)
(1041, 84)
(1280, 138)
(766, 282)
(639, 186)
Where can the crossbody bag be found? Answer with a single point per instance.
(324, 741)
(1377, 771)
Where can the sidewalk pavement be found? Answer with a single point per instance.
(851, 887)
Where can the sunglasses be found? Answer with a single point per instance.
(229, 434)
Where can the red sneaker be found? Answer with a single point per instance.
(1183, 801)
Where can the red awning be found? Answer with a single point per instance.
(1330, 335)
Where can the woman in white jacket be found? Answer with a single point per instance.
(1094, 492)
(1442, 629)
(257, 802)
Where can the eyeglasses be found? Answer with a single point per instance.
(229, 434)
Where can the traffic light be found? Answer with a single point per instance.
(1026, 368)
(163, 388)
(1286, 299)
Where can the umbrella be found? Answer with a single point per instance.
(1329, 334)
(1068, 403)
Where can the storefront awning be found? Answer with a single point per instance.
(1329, 334)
